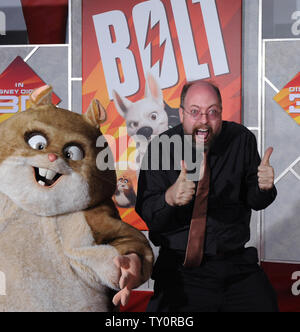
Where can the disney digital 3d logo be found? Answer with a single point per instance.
(296, 285)
(289, 98)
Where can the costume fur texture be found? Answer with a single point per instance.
(59, 228)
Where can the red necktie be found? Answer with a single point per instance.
(194, 251)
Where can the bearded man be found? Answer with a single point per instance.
(202, 226)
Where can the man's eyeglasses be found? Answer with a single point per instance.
(212, 114)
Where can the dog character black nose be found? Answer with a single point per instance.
(145, 131)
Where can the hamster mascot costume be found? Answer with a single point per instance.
(63, 246)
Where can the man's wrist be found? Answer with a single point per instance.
(266, 190)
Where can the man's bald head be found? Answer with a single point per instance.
(187, 86)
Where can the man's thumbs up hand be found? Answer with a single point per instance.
(182, 191)
(183, 171)
(266, 158)
(266, 172)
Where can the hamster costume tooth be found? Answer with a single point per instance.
(59, 228)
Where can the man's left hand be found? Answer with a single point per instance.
(131, 275)
(266, 172)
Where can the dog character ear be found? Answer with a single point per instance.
(95, 114)
(153, 90)
(122, 104)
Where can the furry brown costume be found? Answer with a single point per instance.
(59, 229)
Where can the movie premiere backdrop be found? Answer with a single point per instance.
(137, 55)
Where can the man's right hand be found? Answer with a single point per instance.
(182, 191)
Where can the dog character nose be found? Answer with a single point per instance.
(145, 131)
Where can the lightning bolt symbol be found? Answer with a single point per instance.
(157, 49)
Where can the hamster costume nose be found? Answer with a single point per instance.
(52, 157)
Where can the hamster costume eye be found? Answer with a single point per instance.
(37, 141)
(73, 152)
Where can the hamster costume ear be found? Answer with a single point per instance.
(95, 114)
(41, 96)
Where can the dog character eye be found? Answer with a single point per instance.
(154, 116)
(37, 141)
(133, 124)
(73, 152)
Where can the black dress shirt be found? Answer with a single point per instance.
(234, 191)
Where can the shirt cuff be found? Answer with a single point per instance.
(161, 204)
(267, 196)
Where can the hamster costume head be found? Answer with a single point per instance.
(47, 162)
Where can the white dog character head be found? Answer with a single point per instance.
(146, 117)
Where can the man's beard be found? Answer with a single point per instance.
(202, 146)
